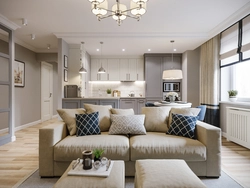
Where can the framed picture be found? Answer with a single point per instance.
(65, 61)
(19, 74)
(65, 75)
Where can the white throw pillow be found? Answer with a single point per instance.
(122, 111)
(128, 124)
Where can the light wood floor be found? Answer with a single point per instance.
(20, 158)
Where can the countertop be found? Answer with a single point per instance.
(102, 98)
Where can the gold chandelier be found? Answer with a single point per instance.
(119, 11)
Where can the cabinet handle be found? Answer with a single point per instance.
(85, 85)
(108, 76)
(137, 76)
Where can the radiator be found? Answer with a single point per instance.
(238, 126)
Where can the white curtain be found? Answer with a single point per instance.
(210, 79)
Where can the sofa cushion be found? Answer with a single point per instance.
(68, 116)
(122, 111)
(183, 125)
(87, 124)
(156, 118)
(183, 111)
(116, 147)
(129, 124)
(104, 114)
(155, 145)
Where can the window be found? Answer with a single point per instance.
(235, 60)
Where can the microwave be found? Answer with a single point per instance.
(171, 86)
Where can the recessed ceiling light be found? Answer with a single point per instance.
(123, 50)
(97, 49)
(25, 21)
(149, 50)
(175, 50)
(33, 36)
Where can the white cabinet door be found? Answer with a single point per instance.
(95, 65)
(124, 69)
(113, 70)
(140, 69)
(132, 73)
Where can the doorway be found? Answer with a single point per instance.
(46, 91)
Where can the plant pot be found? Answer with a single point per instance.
(97, 159)
(233, 99)
(109, 95)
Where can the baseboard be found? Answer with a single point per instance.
(224, 134)
(27, 125)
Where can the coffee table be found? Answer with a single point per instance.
(115, 179)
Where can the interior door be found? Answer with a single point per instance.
(46, 91)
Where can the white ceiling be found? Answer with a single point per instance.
(189, 22)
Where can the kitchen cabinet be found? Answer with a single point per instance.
(140, 104)
(113, 67)
(155, 64)
(71, 103)
(95, 65)
(131, 69)
(128, 103)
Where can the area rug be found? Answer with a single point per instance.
(225, 181)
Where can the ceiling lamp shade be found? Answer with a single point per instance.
(119, 12)
(172, 74)
(137, 11)
(82, 59)
(100, 9)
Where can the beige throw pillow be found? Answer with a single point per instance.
(69, 117)
(183, 111)
(104, 114)
(156, 118)
(122, 111)
(128, 124)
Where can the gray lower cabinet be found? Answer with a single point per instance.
(79, 103)
(135, 104)
(71, 103)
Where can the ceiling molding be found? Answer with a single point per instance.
(7, 23)
(127, 34)
(244, 11)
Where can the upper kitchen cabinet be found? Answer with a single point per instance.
(113, 70)
(131, 69)
(172, 63)
(153, 76)
(95, 65)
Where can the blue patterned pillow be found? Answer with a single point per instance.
(87, 124)
(182, 125)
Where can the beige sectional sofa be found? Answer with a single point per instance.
(57, 148)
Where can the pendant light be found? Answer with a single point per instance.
(101, 70)
(172, 74)
(82, 59)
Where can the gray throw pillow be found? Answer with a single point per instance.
(128, 124)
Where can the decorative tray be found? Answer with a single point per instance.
(101, 172)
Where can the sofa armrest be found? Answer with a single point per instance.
(210, 136)
(48, 137)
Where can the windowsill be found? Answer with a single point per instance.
(236, 103)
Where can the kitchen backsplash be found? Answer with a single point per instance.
(98, 89)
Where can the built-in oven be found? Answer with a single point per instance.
(171, 86)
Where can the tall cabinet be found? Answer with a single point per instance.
(155, 64)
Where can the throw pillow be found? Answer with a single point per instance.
(122, 111)
(68, 116)
(183, 125)
(183, 111)
(129, 124)
(87, 124)
(156, 118)
(104, 114)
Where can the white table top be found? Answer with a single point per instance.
(174, 104)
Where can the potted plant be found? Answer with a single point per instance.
(109, 92)
(232, 95)
(97, 154)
